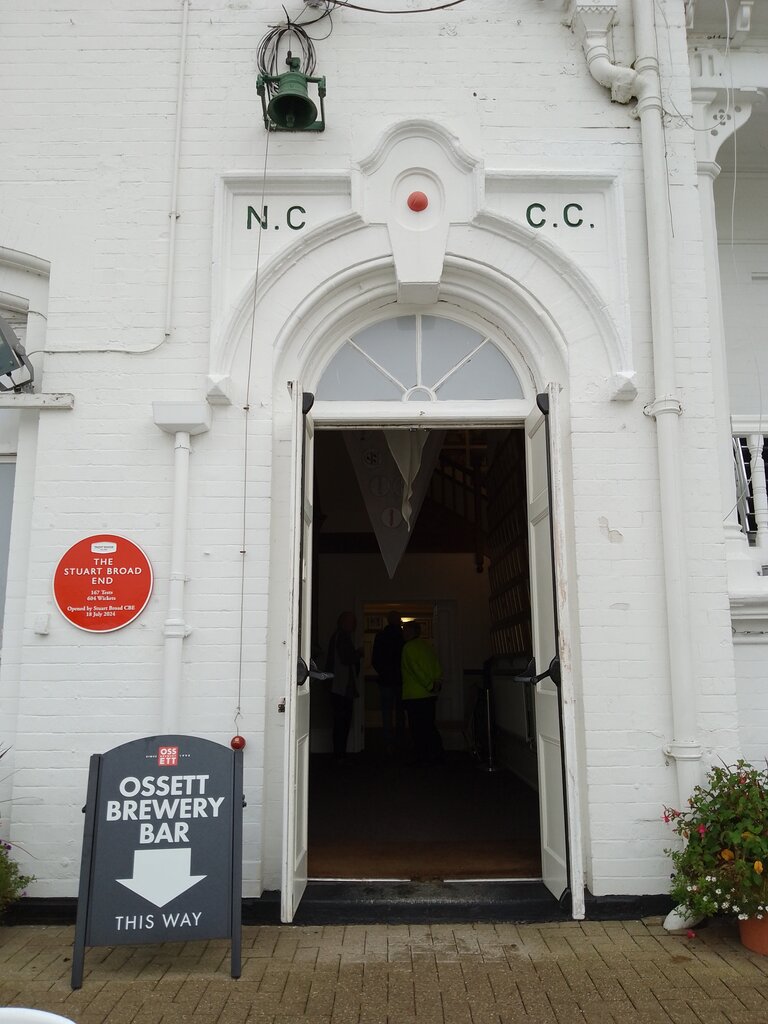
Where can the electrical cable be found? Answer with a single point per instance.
(246, 410)
(377, 10)
(269, 47)
(663, 125)
(327, 13)
(668, 99)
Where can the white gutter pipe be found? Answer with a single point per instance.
(174, 214)
(182, 419)
(592, 22)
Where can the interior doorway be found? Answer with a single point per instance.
(464, 577)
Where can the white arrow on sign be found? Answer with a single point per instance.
(159, 876)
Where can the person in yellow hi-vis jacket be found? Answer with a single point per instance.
(422, 680)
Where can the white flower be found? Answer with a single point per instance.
(743, 917)
(718, 891)
(735, 909)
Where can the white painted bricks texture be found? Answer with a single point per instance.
(87, 115)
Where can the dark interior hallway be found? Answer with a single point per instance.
(378, 817)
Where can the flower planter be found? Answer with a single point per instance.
(722, 867)
(754, 934)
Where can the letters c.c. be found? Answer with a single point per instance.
(536, 223)
(566, 215)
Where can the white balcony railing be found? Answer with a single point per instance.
(749, 455)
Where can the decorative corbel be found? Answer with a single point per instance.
(717, 112)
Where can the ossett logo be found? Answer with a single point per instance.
(168, 757)
(103, 547)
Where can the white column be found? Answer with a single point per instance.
(716, 119)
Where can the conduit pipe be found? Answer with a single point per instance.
(592, 22)
(174, 214)
(182, 419)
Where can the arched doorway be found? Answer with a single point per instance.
(538, 308)
(396, 395)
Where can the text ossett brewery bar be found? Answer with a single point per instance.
(162, 852)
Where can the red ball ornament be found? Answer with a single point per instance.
(417, 201)
(237, 742)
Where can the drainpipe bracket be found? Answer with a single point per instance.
(659, 406)
(176, 628)
(683, 751)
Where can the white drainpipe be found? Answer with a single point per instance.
(592, 22)
(182, 419)
(174, 214)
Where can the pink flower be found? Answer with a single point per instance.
(691, 934)
(701, 829)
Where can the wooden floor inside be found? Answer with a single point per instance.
(379, 817)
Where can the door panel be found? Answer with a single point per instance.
(554, 846)
(296, 798)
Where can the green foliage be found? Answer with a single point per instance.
(720, 869)
(12, 882)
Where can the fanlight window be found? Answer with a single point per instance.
(418, 359)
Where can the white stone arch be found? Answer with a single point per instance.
(539, 306)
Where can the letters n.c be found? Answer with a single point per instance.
(295, 227)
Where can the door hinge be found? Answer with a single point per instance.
(281, 706)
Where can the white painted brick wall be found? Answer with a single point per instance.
(87, 116)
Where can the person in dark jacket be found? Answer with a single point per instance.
(387, 650)
(344, 661)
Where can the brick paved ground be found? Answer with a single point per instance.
(629, 972)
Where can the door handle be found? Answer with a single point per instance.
(303, 673)
(531, 676)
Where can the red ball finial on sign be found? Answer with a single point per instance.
(417, 201)
(237, 742)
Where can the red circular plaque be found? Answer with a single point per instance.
(102, 583)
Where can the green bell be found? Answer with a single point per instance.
(291, 108)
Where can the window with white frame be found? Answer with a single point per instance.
(419, 358)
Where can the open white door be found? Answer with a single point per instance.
(560, 840)
(296, 793)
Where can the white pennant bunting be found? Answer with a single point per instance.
(393, 485)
